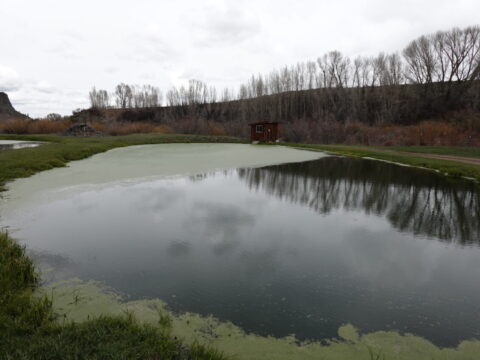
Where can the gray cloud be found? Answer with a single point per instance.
(64, 49)
(56, 57)
(151, 45)
(228, 25)
(9, 80)
(43, 98)
(111, 69)
(44, 87)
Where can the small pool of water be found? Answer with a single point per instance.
(17, 144)
(298, 248)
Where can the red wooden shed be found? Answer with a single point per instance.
(265, 131)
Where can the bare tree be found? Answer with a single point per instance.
(122, 93)
(99, 98)
(421, 61)
(54, 117)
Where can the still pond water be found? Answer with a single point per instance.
(17, 144)
(298, 248)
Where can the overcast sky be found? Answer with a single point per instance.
(52, 52)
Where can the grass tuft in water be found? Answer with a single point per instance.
(165, 321)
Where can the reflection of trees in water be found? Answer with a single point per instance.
(412, 199)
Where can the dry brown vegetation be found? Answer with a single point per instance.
(465, 132)
(27, 126)
(461, 129)
(117, 128)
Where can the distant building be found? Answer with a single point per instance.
(265, 131)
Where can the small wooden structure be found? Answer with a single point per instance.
(265, 131)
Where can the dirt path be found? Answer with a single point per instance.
(461, 159)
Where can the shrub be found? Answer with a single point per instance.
(26, 126)
(14, 126)
(48, 126)
(118, 128)
(216, 128)
(434, 133)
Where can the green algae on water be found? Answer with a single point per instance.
(76, 300)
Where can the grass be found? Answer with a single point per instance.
(60, 150)
(30, 330)
(473, 152)
(451, 168)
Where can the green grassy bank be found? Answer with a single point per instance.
(471, 151)
(60, 150)
(452, 168)
(29, 328)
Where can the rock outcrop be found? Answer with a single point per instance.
(82, 130)
(7, 111)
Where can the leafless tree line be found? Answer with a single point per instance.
(433, 75)
(445, 56)
(99, 98)
(197, 92)
(127, 96)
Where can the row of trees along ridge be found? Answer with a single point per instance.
(435, 74)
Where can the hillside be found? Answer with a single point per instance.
(373, 105)
(7, 111)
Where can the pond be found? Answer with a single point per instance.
(17, 144)
(300, 247)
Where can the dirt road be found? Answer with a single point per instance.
(461, 159)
